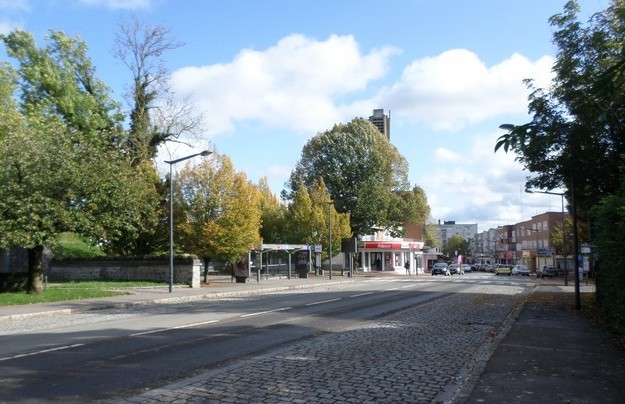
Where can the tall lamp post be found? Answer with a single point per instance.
(330, 235)
(171, 213)
(510, 127)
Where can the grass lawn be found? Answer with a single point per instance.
(58, 292)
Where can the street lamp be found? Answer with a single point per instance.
(171, 213)
(561, 194)
(330, 235)
(511, 127)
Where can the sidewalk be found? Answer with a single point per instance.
(550, 353)
(553, 354)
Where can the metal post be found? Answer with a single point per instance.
(330, 236)
(171, 214)
(566, 271)
(578, 303)
(171, 230)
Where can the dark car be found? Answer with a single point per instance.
(454, 269)
(440, 268)
(546, 271)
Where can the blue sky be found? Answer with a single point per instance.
(267, 75)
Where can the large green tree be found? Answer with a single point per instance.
(50, 184)
(364, 173)
(64, 170)
(576, 138)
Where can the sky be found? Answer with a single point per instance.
(267, 75)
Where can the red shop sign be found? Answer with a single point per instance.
(383, 245)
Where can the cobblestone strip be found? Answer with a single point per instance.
(421, 355)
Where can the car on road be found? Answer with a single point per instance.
(454, 269)
(546, 272)
(466, 268)
(440, 268)
(520, 270)
(503, 269)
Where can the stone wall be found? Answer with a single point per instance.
(186, 270)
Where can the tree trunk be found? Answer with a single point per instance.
(35, 270)
(206, 261)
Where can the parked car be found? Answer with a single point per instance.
(521, 270)
(440, 268)
(546, 271)
(466, 268)
(454, 269)
(503, 269)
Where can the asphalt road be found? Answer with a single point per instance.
(122, 353)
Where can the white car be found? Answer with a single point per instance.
(520, 270)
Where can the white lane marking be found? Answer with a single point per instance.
(363, 294)
(323, 301)
(174, 328)
(408, 286)
(263, 312)
(391, 289)
(41, 352)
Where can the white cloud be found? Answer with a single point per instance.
(456, 88)
(292, 84)
(442, 155)
(120, 4)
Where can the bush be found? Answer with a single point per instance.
(609, 220)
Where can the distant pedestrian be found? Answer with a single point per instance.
(407, 266)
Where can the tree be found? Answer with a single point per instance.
(273, 215)
(63, 170)
(364, 174)
(51, 184)
(156, 116)
(219, 211)
(310, 215)
(456, 245)
(576, 136)
(59, 81)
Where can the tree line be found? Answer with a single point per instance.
(576, 140)
(71, 163)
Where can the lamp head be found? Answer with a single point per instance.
(507, 126)
(205, 153)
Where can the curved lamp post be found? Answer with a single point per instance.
(171, 213)
(511, 127)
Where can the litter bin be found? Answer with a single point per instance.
(303, 273)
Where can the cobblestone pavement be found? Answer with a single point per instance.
(431, 353)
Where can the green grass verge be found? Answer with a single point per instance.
(59, 292)
(70, 245)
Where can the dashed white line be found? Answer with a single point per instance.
(174, 328)
(41, 352)
(323, 301)
(263, 312)
(362, 294)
